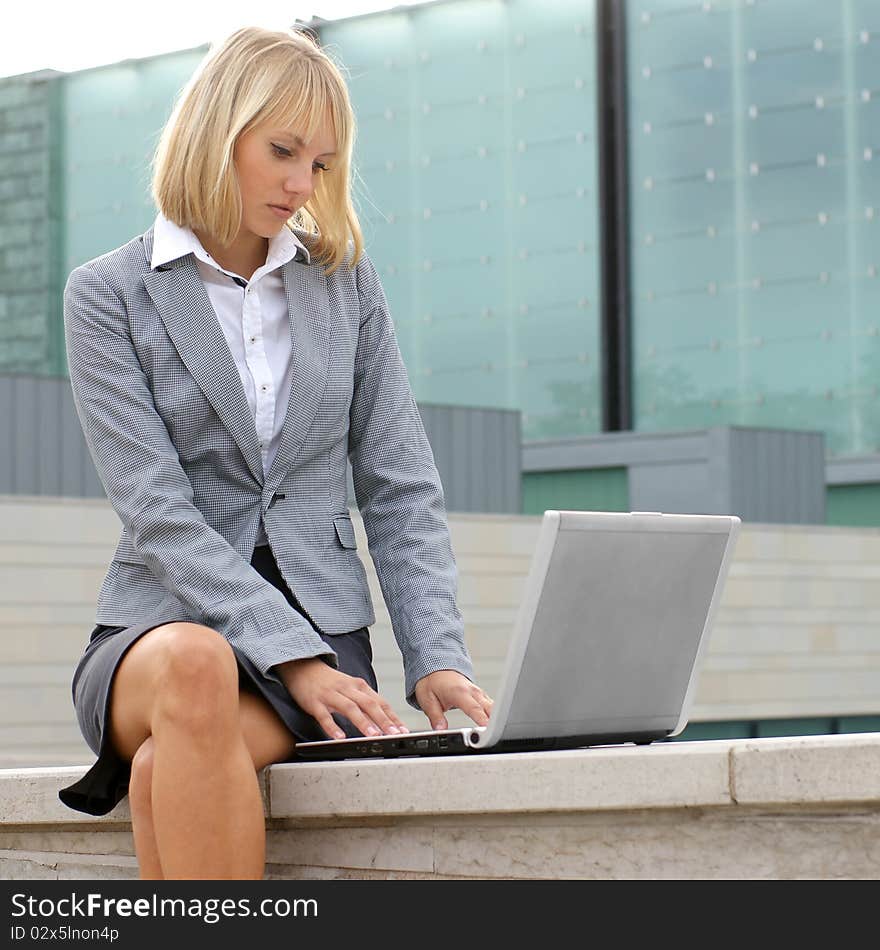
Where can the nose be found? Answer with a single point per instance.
(300, 182)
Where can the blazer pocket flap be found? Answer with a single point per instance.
(125, 552)
(345, 532)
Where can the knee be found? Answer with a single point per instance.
(197, 657)
(199, 671)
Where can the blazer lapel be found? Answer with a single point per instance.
(309, 311)
(180, 297)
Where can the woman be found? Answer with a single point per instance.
(225, 364)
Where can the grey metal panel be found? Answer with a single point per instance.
(675, 488)
(747, 451)
(477, 452)
(512, 492)
(792, 469)
(48, 441)
(43, 451)
(777, 475)
(460, 497)
(442, 437)
(769, 475)
(462, 454)
(816, 487)
(72, 445)
(7, 428)
(719, 483)
(613, 449)
(853, 470)
(26, 435)
(796, 473)
(480, 463)
(787, 492)
(492, 429)
(495, 476)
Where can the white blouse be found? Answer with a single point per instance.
(255, 320)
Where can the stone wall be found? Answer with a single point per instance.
(795, 634)
(751, 809)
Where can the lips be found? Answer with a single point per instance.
(284, 208)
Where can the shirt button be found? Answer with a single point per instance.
(264, 388)
(253, 339)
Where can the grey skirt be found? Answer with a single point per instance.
(106, 782)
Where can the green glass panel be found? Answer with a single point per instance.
(794, 727)
(478, 198)
(113, 116)
(56, 356)
(697, 731)
(31, 331)
(858, 724)
(853, 505)
(601, 489)
(754, 185)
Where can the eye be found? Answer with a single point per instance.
(283, 152)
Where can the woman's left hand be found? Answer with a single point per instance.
(448, 689)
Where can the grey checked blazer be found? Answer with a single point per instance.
(166, 419)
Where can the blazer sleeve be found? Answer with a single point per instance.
(146, 484)
(401, 500)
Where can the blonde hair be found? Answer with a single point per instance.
(258, 75)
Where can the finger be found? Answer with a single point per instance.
(377, 708)
(434, 711)
(351, 709)
(475, 710)
(483, 700)
(388, 719)
(328, 723)
(380, 713)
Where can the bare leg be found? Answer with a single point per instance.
(140, 792)
(207, 808)
(267, 739)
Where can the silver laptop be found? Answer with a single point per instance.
(613, 623)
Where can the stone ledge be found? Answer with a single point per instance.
(724, 772)
(806, 807)
(598, 779)
(811, 770)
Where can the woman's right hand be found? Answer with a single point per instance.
(320, 690)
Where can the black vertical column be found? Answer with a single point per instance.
(614, 236)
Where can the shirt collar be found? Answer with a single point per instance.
(170, 241)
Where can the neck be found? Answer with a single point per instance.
(243, 256)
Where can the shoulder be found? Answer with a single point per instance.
(349, 270)
(114, 269)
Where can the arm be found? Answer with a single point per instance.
(401, 499)
(146, 484)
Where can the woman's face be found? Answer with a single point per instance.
(278, 172)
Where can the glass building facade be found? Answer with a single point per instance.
(755, 190)
(752, 194)
(477, 154)
(751, 188)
